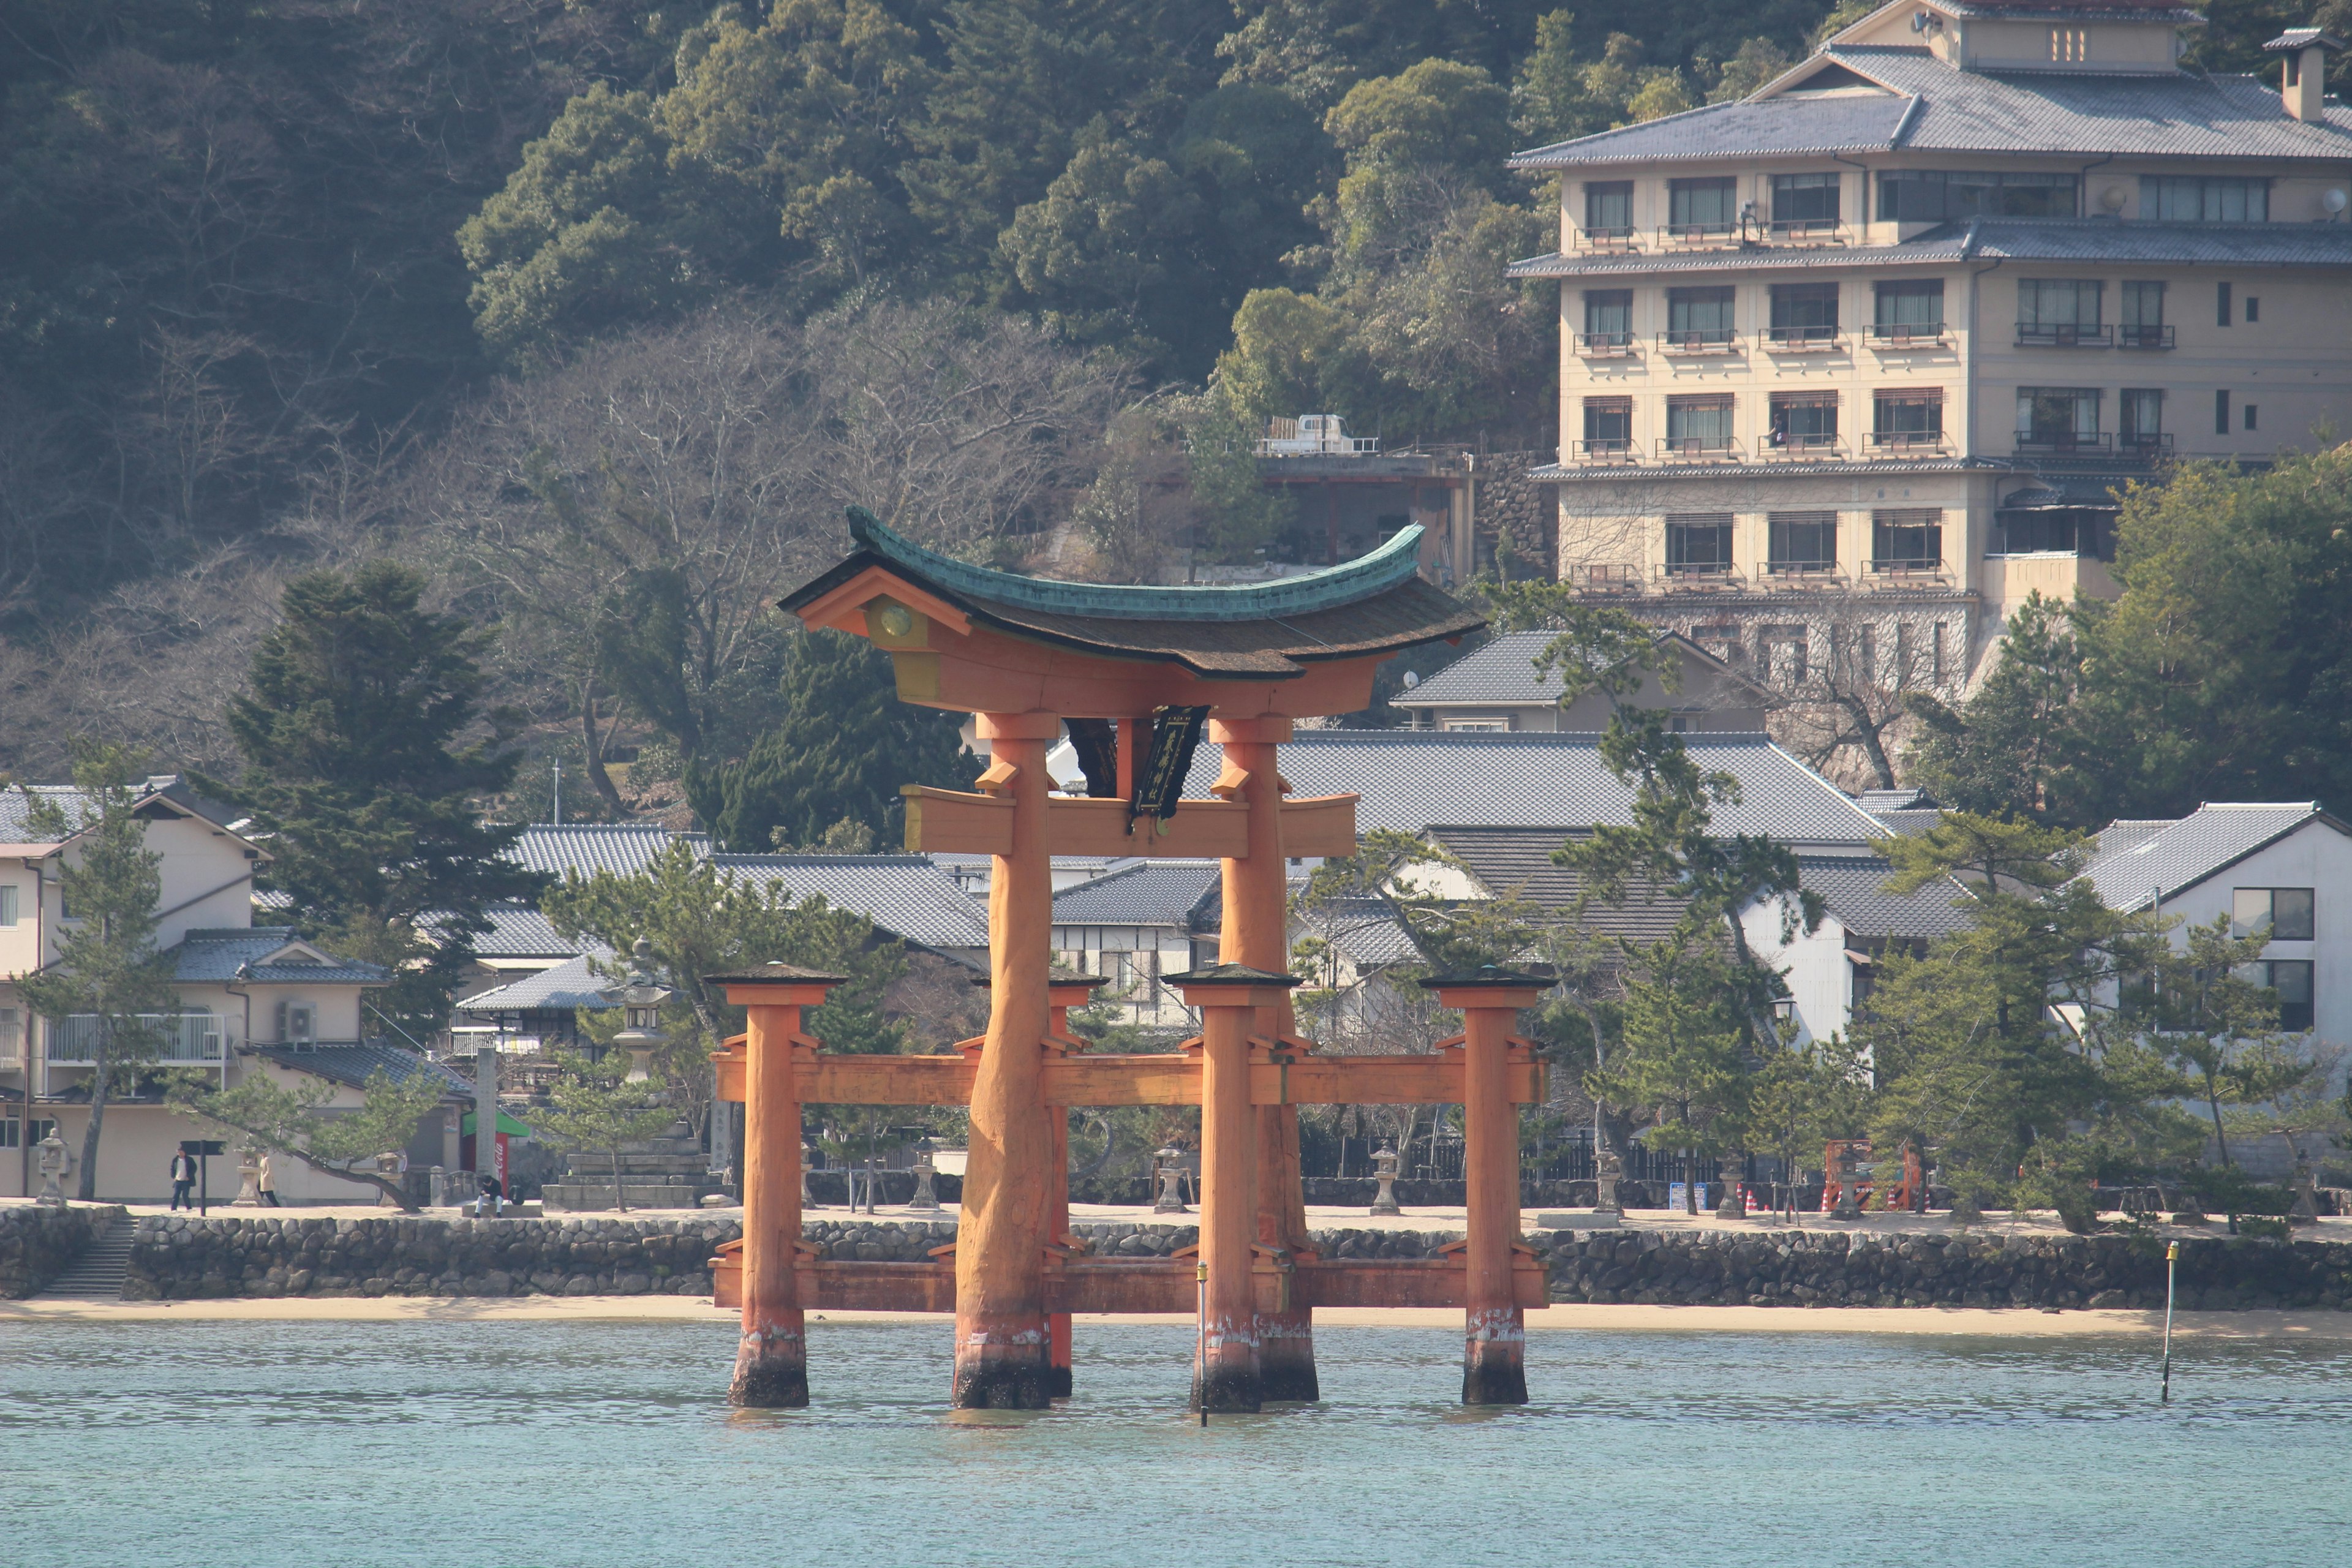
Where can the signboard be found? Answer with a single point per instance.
(1175, 736)
(195, 1148)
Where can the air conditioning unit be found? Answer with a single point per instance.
(297, 1023)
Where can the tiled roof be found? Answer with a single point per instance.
(1503, 671)
(571, 984)
(1854, 889)
(905, 895)
(519, 930)
(16, 811)
(1909, 823)
(2177, 114)
(212, 956)
(1417, 779)
(2136, 868)
(1148, 893)
(353, 1065)
(1874, 801)
(1515, 863)
(624, 848)
(1367, 931)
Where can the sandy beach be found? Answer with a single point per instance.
(2011, 1322)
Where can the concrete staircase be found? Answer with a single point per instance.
(97, 1275)
(668, 1173)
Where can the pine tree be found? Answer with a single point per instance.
(359, 776)
(107, 967)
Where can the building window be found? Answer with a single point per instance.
(2058, 418)
(2059, 311)
(1702, 206)
(2140, 325)
(1475, 726)
(2287, 911)
(2291, 978)
(2052, 530)
(1723, 640)
(2221, 414)
(1609, 208)
(2070, 45)
(8, 904)
(1804, 312)
(2140, 423)
(1696, 316)
(1699, 544)
(2250, 411)
(34, 1131)
(2196, 198)
(2222, 305)
(1782, 650)
(1912, 309)
(1906, 416)
(1935, 196)
(1608, 424)
(1805, 201)
(1801, 541)
(1698, 424)
(2254, 310)
(1906, 538)
(1609, 317)
(1803, 421)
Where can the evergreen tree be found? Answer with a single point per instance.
(107, 968)
(343, 1140)
(2008, 752)
(839, 750)
(361, 777)
(593, 1109)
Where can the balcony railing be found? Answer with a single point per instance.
(1801, 448)
(1906, 441)
(1807, 231)
(1803, 574)
(1908, 573)
(1606, 577)
(2143, 337)
(1604, 345)
(1608, 239)
(2064, 337)
(1609, 449)
(1803, 340)
(1687, 578)
(1908, 335)
(2064, 442)
(2148, 449)
(1699, 236)
(1698, 449)
(187, 1038)
(1710, 341)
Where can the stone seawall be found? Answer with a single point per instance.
(37, 1243)
(177, 1258)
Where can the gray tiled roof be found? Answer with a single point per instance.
(2109, 242)
(1367, 931)
(1416, 779)
(211, 955)
(16, 809)
(624, 848)
(1502, 670)
(1517, 863)
(570, 985)
(519, 930)
(2175, 114)
(905, 895)
(353, 1065)
(1909, 798)
(1854, 889)
(1909, 823)
(1150, 893)
(2148, 867)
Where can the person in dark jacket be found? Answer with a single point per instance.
(183, 1180)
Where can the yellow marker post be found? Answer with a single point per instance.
(2171, 1257)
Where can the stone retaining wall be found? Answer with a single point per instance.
(177, 1258)
(37, 1243)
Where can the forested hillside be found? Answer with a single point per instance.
(598, 312)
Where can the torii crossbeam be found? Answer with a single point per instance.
(1026, 655)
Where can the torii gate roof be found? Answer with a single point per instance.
(1374, 606)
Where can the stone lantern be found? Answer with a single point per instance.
(926, 1198)
(1171, 1182)
(1385, 1162)
(641, 1001)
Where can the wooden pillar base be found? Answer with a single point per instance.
(1226, 1379)
(1000, 1363)
(1285, 1357)
(1495, 1357)
(770, 1370)
(1057, 1359)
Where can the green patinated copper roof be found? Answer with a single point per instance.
(1329, 589)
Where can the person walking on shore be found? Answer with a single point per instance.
(269, 1179)
(183, 1180)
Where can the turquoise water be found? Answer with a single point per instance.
(347, 1446)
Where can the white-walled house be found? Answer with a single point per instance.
(1829, 970)
(250, 1000)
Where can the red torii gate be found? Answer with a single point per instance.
(1025, 655)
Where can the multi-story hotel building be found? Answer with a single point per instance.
(1875, 346)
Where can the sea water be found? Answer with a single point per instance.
(263, 1445)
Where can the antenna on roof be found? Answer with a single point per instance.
(559, 792)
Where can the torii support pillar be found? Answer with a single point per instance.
(1256, 935)
(1225, 1372)
(771, 1358)
(1494, 1343)
(1002, 1339)
(1062, 995)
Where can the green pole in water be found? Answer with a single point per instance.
(2171, 1257)
(1201, 1324)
